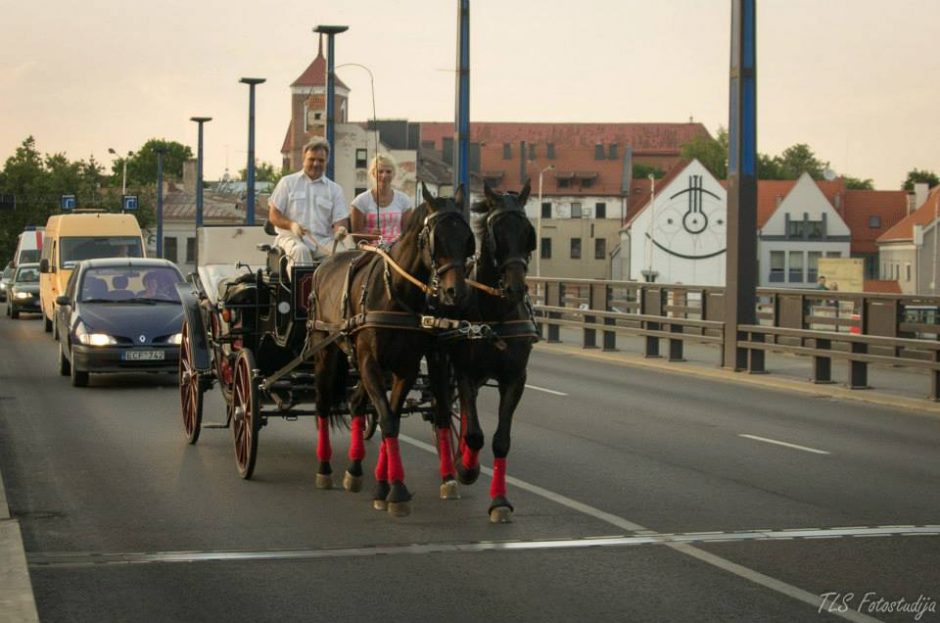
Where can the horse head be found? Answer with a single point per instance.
(508, 239)
(446, 242)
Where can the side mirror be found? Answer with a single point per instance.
(62, 300)
(44, 265)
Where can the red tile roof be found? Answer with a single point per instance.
(890, 206)
(644, 188)
(315, 73)
(882, 286)
(923, 215)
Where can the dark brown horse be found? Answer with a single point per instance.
(507, 241)
(373, 314)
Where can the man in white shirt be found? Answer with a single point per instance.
(308, 209)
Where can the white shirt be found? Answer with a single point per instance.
(315, 204)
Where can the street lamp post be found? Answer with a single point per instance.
(160, 151)
(250, 206)
(375, 120)
(648, 273)
(330, 32)
(538, 225)
(200, 121)
(124, 176)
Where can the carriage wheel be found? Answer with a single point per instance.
(246, 416)
(190, 389)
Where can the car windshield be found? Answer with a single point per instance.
(28, 255)
(26, 274)
(75, 249)
(131, 284)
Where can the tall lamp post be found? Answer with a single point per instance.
(160, 151)
(200, 121)
(124, 176)
(250, 207)
(330, 32)
(538, 225)
(375, 120)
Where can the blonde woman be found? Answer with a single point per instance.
(379, 214)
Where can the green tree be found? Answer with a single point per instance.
(711, 152)
(264, 172)
(768, 167)
(917, 176)
(854, 183)
(142, 164)
(798, 159)
(643, 171)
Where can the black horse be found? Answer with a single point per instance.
(500, 305)
(372, 314)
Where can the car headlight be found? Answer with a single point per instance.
(96, 339)
(23, 295)
(176, 338)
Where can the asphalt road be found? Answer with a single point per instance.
(640, 496)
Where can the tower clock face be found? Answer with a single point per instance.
(691, 224)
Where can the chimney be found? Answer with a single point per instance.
(920, 194)
(189, 176)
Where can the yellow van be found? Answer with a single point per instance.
(71, 238)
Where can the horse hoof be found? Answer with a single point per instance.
(501, 514)
(399, 509)
(380, 505)
(351, 483)
(467, 475)
(324, 481)
(449, 490)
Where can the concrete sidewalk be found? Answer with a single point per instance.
(900, 388)
(17, 604)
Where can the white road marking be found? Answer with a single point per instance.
(547, 391)
(784, 444)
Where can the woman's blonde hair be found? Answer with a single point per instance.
(382, 160)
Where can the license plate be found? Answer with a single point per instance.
(143, 355)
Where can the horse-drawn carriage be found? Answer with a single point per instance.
(345, 340)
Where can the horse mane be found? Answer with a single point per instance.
(415, 221)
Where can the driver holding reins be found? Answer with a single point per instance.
(309, 210)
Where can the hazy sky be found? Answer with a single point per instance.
(858, 80)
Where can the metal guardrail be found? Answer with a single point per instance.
(860, 328)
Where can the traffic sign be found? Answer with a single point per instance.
(129, 203)
(67, 202)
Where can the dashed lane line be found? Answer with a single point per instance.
(785, 444)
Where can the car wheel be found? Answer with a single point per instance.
(14, 313)
(65, 368)
(79, 377)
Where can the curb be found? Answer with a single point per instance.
(17, 602)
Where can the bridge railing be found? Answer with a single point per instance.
(860, 328)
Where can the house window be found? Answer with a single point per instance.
(191, 250)
(361, 156)
(598, 152)
(169, 249)
(874, 222)
(531, 151)
(576, 248)
(546, 249)
(907, 271)
(507, 151)
(563, 183)
(575, 210)
(550, 149)
(600, 210)
(812, 265)
(796, 267)
(600, 248)
(612, 151)
(587, 183)
(546, 209)
(778, 262)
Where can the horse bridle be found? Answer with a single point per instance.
(491, 218)
(426, 239)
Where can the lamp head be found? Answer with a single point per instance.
(330, 30)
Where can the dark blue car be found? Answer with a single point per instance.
(119, 315)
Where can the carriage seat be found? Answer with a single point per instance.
(220, 248)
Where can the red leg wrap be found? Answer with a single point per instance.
(444, 452)
(498, 486)
(471, 458)
(381, 467)
(396, 470)
(357, 448)
(324, 449)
